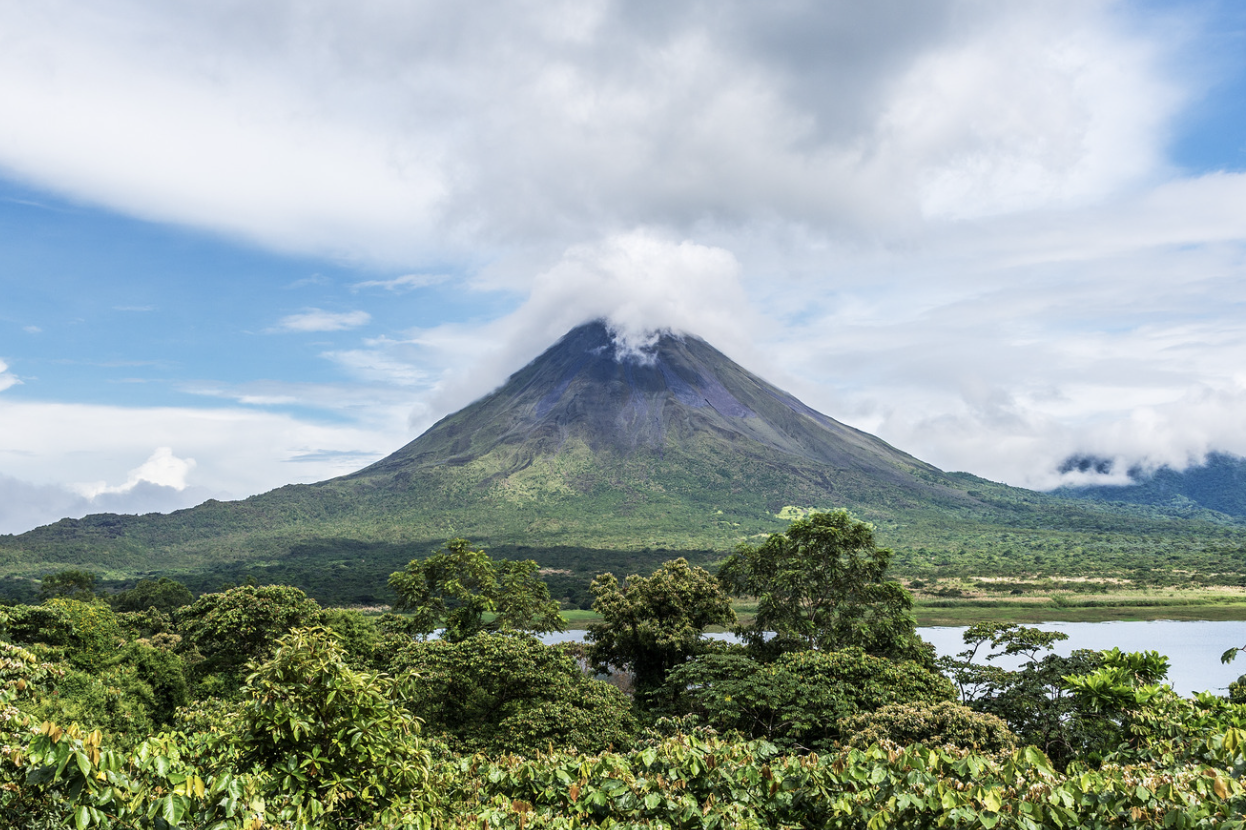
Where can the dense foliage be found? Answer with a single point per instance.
(651, 625)
(799, 700)
(820, 585)
(512, 694)
(254, 707)
(455, 588)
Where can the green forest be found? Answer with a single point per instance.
(255, 706)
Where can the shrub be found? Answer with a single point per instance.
(924, 722)
(241, 624)
(513, 694)
(800, 699)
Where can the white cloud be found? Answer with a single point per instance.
(382, 362)
(392, 132)
(641, 282)
(238, 452)
(7, 379)
(163, 469)
(315, 319)
(407, 282)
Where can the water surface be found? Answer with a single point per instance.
(1193, 648)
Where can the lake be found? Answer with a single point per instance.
(1193, 648)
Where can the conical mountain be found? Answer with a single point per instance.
(590, 445)
(595, 457)
(676, 395)
(676, 428)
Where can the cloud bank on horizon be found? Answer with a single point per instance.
(281, 239)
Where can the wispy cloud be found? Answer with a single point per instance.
(314, 279)
(315, 319)
(359, 399)
(383, 361)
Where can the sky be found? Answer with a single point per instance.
(247, 244)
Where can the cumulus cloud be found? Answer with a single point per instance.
(314, 319)
(238, 452)
(399, 130)
(642, 282)
(163, 469)
(25, 505)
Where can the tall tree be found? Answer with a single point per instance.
(822, 585)
(163, 594)
(652, 624)
(512, 694)
(466, 591)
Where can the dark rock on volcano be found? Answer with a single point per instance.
(675, 421)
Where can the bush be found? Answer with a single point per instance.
(242, 624)
(943, 723)
(85, 634)
(336, 745)
(1237, 690)
(800, 699)
(501, 693)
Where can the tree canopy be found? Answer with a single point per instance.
(465, 591)
(244, 623)
(163, 594)
(72, 584)
(512, 694)
(821, 585)
(652, 624)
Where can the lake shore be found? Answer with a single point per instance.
(1215, 603)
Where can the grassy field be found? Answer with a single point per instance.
(970, 600)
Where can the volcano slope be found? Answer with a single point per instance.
(592, 458)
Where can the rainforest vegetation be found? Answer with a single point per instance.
(255, 706)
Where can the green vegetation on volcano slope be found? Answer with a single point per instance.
(337, 540)
(582, 450)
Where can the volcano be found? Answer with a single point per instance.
(596, 456)
(594, 434)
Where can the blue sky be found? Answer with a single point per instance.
(243, 245)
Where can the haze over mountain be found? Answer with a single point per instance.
(599, 446)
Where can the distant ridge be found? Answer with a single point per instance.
(1219, 484)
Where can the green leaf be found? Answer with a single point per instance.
(82, 817)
